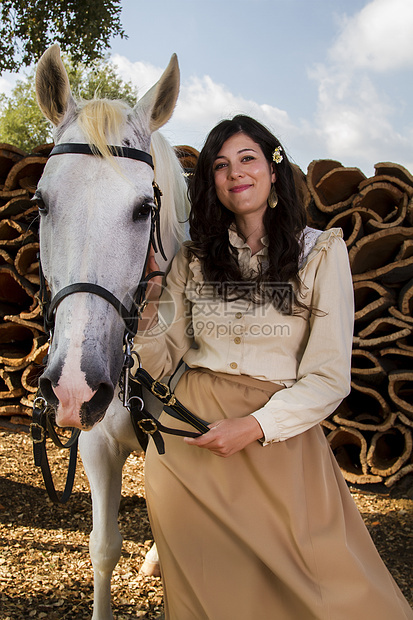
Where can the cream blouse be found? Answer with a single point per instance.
(309, 355)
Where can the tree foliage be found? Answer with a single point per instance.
(83, 28)
(23, 125)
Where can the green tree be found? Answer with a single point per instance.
(23, 125)
(83, 28)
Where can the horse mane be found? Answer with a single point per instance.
(103, 121)
(169, 175)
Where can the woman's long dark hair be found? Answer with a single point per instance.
(209, 220)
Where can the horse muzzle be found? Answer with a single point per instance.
(76, 403)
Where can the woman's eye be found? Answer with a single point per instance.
(219, 166)
(248, 158)
(142, 211)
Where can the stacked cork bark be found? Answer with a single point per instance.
(371, 431)
(22, 338)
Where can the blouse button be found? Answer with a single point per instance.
(233, 365)
(237, 340)
(238, 315)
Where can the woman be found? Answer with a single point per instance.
(260, 308)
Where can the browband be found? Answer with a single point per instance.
(117, 151)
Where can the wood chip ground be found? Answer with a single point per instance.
(45, 569)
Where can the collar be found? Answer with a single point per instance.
(239, 243)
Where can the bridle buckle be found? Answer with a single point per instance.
(148, 431)
(34, 427)
(163, 392)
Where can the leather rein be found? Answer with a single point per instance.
(131, 393)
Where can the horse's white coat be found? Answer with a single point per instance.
(88, 235)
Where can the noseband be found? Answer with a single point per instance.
(129, 317)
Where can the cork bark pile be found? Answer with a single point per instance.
(371, 431)
(23, 342)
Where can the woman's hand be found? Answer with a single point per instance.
(226, 437)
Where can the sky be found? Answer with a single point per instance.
(332, 79)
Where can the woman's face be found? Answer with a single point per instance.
(242, 176)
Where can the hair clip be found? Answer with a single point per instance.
(276, 156)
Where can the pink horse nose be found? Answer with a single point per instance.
(76, 403)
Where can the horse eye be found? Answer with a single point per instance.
(38, 200)
(142, 211)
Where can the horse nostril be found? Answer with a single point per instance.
(47, 391)
(103, 396)
(93, 410)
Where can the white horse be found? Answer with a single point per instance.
(95, 228)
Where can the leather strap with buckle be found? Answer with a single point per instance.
(172, 405)
(146, 425)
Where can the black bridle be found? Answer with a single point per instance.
(130, 386)
(116, 151)
(42, 425)
(129, 317)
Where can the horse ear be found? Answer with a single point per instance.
(52, 85)
(159, 102)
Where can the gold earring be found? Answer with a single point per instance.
(272, 198)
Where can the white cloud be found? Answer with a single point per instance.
(379, 37)
(354, 122)
(201, 104)
(357, 116)
(142, 75)
(351, 115)
(338, 131)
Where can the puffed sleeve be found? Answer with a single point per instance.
(162, 347)
(323, 377)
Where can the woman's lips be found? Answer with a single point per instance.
(239, 188)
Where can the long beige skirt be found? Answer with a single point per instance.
(270, 533)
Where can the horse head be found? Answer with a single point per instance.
(95, 222)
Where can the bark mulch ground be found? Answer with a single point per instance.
(45, 569)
